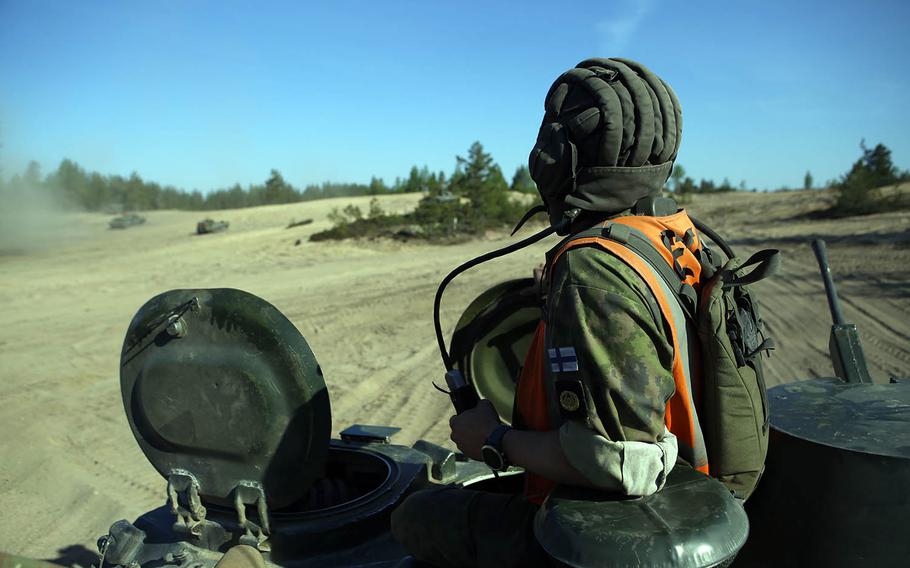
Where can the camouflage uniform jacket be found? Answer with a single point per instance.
(612, 431)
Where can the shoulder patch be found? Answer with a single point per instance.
(573, 401)
(568, 400)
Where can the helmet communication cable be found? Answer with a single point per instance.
(446, 359)
(462, 394)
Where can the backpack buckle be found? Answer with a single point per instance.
(618, 232)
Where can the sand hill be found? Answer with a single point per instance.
(69, 466)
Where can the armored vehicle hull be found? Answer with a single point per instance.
(229, 404)
(342, 521)
(207, 226)
(215, 383)
(126, 221)
(836, 488)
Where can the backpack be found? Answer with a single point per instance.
(735, 403)
(722, 308)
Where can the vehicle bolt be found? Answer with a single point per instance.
(176, 327)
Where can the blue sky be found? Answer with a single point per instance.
(201, 94)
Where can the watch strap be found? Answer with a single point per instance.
(495, 440)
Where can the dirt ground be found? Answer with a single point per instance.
(69, 465)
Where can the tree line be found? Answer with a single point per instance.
(92, 191)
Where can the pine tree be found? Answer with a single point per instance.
(277, 190)
(859, 191)
(477, 174)
(522, 181)
(478, 178)
(377, 186)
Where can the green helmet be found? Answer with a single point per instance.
(609, 136)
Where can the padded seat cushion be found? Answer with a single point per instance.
(692, 522)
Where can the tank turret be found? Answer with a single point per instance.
(835, 488)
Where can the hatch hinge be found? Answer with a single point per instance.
(255, 535)
(191, 517)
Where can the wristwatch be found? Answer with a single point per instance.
(492, 451)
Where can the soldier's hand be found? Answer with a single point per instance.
(471, 428)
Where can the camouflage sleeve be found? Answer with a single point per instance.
(629, 468)
(603, 311)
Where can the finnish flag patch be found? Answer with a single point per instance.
(562, 359)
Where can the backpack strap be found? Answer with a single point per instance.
(681, 415)
(766, 262)
(635, 240)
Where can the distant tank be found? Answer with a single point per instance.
(300, 223)
(207, 226)
(228, 402)
(126, 221)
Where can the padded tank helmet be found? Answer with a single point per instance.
(610, 134)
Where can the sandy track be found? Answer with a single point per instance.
(69, 466)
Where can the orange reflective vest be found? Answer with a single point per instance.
(675, 238)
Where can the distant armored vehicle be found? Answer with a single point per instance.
(126, 221)
(300, 223)
(210, 226)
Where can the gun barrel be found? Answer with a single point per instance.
(821, 254)
(844, 346)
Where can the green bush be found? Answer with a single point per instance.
(441, 216)
(859, 192)
(350, 223)
(475, 199)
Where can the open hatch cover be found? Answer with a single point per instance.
(492, 337)
(220, 387)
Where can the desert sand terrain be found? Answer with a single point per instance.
(69, 465)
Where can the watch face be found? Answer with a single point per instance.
(492, 457)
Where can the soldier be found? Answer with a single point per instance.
(602, 374)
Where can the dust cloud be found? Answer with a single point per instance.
(32, 218)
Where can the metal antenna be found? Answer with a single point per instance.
(844, 345)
